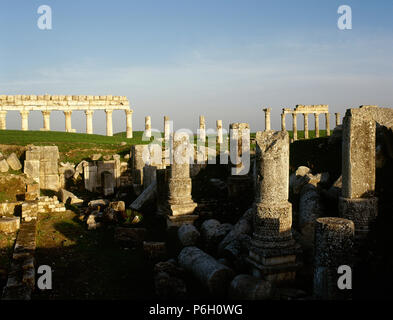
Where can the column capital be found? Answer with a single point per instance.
(108, 111)
(267, 109)
(45, 112)
(67, 112)
(129, 111)
(89, 112)
(24, 112)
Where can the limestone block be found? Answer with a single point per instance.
(14, 162)
(90, 177)
(109, 183)
(4, 167)
(32, 169)
(50, 182)
(246, 287)
(9, 224)
(64, 195)
(48, 167)
(96, 156)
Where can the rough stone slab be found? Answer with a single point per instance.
(4, 167)
(9, 224)
(14, 162)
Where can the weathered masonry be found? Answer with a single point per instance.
(316, 110)
(47, 103)
(358, 201)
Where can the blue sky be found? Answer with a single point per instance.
(223, 59)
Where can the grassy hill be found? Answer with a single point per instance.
(72, 146)
(75, 147)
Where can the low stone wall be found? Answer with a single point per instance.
(21, 278)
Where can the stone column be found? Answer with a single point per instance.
(294, 126)
(219, 132)
(305, 115)
(68, 124)
(109, 123)
(267, 119)
(129, 123)
(181, 206)
(148, 126)
(46, 118)
(239, 182)
(327, 123)
(89, 121)
(273, 251)
(167, 128)
(333, 248)
(358, 202)
(202, 128)
(3, 121)
(25, 119)
(337, 118)
(316, 116)
(283, 121)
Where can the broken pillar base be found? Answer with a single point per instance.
(362, 211)
(277, 265)
(186, 208)
(178, 221)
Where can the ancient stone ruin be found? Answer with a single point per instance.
(47, 103)
(265, 225)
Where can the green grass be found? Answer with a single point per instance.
(73, 147)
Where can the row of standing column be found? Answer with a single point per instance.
(294, 125)
(202, 129)
(68, 124)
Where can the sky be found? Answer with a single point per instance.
(225, 60)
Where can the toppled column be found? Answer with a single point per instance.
(273, 251)
(305, 115)
(46, 117)
(129, 123)
(333, 248)
(3, 121)
(283, 121)
(337, 114)
(246, 287)
(109, 123)
(219, 132)
(147, 126)
(202, 128)
(212, 274)
(327, 123)
(294, 126)
(239, 183)
(188, 235)
(267, 118)
(316, 116)
(358, 202)
(25, 119)
(89, 121)
(181, 206)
